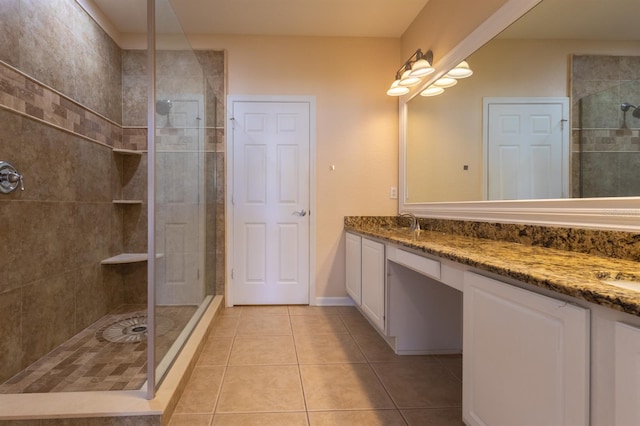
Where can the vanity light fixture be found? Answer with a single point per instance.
(411, 72)
(409, 80)
(445, 82)
(397, 90)
(432, 91)
(461, 70)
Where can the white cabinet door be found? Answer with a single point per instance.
(627, 375)
(373, 288)
(526, 357)
(354, 267)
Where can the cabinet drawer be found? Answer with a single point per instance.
(423, 265)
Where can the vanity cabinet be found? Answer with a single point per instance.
(353, 247)
(365, 277)
(373, 282)
(627, 375)
(526, 357)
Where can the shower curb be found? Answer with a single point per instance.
(121, 407)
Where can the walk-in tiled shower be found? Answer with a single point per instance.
(73, 244)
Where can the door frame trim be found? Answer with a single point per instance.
(228, 160)
(566, 129)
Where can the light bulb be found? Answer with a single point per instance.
(445, 82)
(397, 90)
(462, 70)
(407, 80)
(421, 68)
(432, 91)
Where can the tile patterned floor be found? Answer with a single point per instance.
(314, 366)
(87, 363)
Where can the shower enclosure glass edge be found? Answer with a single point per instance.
(151, 158)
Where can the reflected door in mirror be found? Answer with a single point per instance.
(525, 152)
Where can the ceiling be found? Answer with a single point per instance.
(579, 20)
(340, 18)
(551, 19)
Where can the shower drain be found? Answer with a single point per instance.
(132, 329)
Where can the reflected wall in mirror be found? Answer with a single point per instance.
(533, 59)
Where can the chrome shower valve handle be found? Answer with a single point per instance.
(9, 178)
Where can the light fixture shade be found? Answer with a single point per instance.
(397, 90)
(462, 70)
(421, 68)
(407, 80)
(432, 91)
(445, 82)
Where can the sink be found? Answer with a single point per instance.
(627, 285)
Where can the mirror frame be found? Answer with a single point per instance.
(620, 213)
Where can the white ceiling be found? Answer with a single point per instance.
(551, 19)
(348, 18)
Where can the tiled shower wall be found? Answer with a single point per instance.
(605, 153)
(59, 118)
(55, 233)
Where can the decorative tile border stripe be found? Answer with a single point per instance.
(26, 96)
(134, 138)
(603, 243)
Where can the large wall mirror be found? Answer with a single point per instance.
(572, 69)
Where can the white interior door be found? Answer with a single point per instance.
(271, 146)
(179, 210)
(526, 149)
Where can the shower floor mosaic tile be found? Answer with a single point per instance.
(95, 361)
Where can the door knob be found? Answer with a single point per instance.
(301, 212)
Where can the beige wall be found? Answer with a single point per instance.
(357, 124)
(449, 127)
(442, 24)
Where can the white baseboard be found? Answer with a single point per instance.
(334, 301)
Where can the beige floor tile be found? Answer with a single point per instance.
(201, 391)
(263, 350)
(190, 420)
(453, 363)
(263, 325)
(225, 326)
(342, 387)
(313, 310)
(357, 324)
(420, 383)
(327, 349)
(375, 349)
(434, 417)
(265, 310)
(234, 311)
(270, 388)
(347, 310)
(316, 324)
(261, 419)
(216, 351)
(364, 418)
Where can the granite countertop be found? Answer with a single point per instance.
(574, 274)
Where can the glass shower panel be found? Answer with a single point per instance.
(181, 103)
(607, 154)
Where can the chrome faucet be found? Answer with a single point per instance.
(415, 225)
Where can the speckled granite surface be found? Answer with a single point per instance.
(567, 261)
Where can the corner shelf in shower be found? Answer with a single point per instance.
(125, 202)
(123, 151)
(127, 258)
